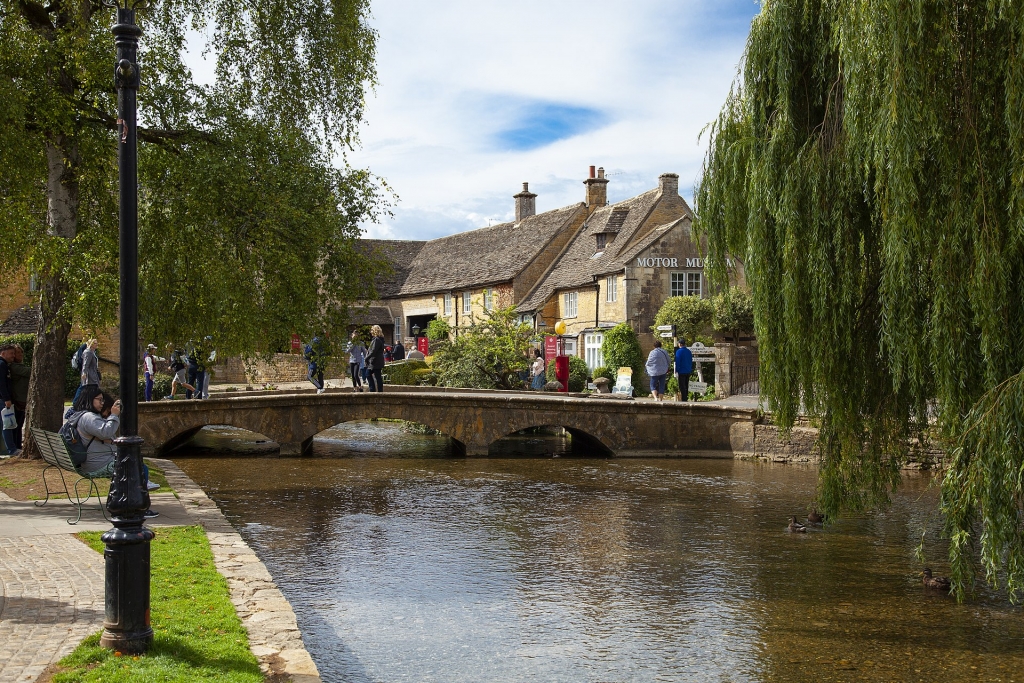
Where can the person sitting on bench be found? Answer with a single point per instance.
(98, 427)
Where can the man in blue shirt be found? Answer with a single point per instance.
(684, 366)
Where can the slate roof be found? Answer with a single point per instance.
(25, 320)
(371, 315)
(578, 264)
(469, 259)
(400, 254)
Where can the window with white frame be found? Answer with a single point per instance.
(448, 303)
(611, 289)
(570, 345)
(570, 303)
(592, 350)
(686, 284)
(467, 303)
(488, 299)
(398, 328)
(693, 284)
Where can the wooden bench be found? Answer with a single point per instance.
(56, 455)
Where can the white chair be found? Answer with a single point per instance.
(624, 382)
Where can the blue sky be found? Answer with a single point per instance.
(475, 97)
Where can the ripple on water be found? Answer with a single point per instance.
(430, 568)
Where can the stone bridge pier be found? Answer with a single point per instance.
(474, 420)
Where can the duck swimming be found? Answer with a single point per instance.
(815, 517)
(929, 581)
(795, 526)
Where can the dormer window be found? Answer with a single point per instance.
(602, 240)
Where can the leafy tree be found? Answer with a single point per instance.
(733, 312)
(692, 316)
(487, 354)
(621, 348)
(869, 163)
(246, 227)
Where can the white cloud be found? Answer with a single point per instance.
(454, 75)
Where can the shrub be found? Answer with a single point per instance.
(405, 373)
(606, 372)
(733, 312)
(578, 373)
(621, 348)
(438, 330)
(691, 315)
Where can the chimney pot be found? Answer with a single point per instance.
(591, 171)
(600, 172)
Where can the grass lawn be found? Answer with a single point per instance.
(23, 479)
(198, 637)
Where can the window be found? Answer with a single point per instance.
(448, 303)
(611, 288)
(693, 284)
(467, 303)
(686, 284)
(570, 304)
(602, 241)
(592, 350)
(398, 328)
(488, 299)
(526, 319)
(570, 346)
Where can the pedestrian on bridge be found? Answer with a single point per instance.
(375, 359)
(356, 356)
(657, 368)
(316, 356)
(684, 367)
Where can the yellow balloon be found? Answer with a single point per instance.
(560, 327)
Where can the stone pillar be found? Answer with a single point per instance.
(723, 370)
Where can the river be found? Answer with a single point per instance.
(404, 564)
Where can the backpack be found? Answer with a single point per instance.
(176, 362)
(72, 438)
(76, 360)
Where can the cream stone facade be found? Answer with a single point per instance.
(591, 265)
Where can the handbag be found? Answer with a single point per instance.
(10, 421)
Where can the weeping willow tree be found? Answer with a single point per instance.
(869, 163)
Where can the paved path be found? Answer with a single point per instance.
(51, 584)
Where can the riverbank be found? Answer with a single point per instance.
(51, 584)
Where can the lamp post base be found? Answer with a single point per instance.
(126, 627)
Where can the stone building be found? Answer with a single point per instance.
(591, 265)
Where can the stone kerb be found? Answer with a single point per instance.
(474, 421)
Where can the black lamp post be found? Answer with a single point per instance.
(126, 624)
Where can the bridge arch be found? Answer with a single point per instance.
(457, 448)
(582, 443)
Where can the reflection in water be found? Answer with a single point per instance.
(509, 569)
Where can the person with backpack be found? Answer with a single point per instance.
(177, 368)
(316, 357)
(191, 369)
(76, 364)
(92, 428)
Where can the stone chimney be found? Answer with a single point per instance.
(526, 203)
(597, 189)
(668, 183)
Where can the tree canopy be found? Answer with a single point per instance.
(868, 163)
(246, 219)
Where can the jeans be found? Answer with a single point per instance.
(658, 383)
(684, 386)
(149, 386)
(316, 376)
(191, 379)
(9, 436)
(200, 381)
(375, 380)
(353, 370)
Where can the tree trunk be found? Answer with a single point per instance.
(46, 388)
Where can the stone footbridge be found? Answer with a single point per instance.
(473, 419)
